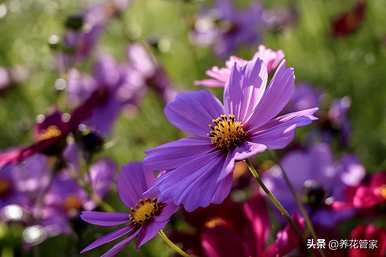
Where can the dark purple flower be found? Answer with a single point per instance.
(228, 28)
(318, 179)
(147, 215)
(117, 83)
(199, 168)
(53, 130)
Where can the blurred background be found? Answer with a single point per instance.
(341, 58)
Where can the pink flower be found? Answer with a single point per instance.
(219, 76)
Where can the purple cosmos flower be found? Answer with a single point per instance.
(153, 73)
(199, 168)
(228, 28)
(146, 217)
(319, 180)
(305, 96)
(84, 31)
(219, 76)
(118, 84)
(102, 174)
(64, 199)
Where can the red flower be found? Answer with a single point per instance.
(370, 193)
(369, 233)
(238, 229)
(349, 22)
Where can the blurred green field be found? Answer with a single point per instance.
(354, 66)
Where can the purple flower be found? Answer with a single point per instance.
(219, 76)
(64, 199)
(304, 96)
(118, 84)
(146, 217)
(228, 28)
(102, 175)
(199, 168)
(153, 73)
(318, 179)
(84, 31)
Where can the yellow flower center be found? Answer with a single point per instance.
(72, 203)
(145, 210)
(382, 191)
(5, 186)
(226, 133)
(215, 222)
(50, 132)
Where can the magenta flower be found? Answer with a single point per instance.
(219, 76)
(199, 168)
(147, 215)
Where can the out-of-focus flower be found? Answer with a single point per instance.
(371, 192)
(102, 174)
(372, 239)
(64, 199)
(281, 18)
(84, 31)
(237, 229)
(199, 168)
(147, 215)
(305, 96)
(4, 78)
(153, 73)
(118, 84)
(227, 28)
(11, 76)
(53, 129)
(220, 76)
(350, 21)
(318, 179)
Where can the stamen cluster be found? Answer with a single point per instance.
(226, 133)
(145, 210)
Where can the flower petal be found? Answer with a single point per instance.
(107, 238)
(279, 132)
(243, 152)
(245, 88)
(119, 246)
(193, 111)
(171, 155)
(102, 176)
(221, 241)
(150, 230)
(105, 218)
(195, 184)
(275, 97)
(132, 182)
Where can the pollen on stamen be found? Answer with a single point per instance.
(226, 133)
(145, 211)
(51, 132)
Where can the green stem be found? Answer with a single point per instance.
(172, 245)
(303, 210)
(273, 199)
